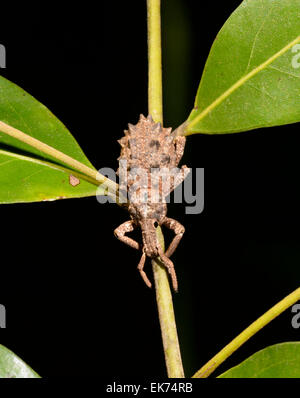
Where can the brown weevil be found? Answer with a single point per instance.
(151, 154)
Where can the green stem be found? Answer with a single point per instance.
(211, 365)
(163, 292)
(167, 316)
(154, 61)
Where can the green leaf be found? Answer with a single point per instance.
(26, 179)
(36, 176)
(252, 75)
(277, 361)
(20, 110)
(11, 366)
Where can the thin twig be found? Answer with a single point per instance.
(163, 292)
(251, 330)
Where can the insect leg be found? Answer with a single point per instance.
(141, 269)
(170, 266)
(176, 180)
(178, 230)
(120, 232)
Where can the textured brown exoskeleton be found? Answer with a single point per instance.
(151, 154)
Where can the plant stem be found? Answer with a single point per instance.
(154, 61)
(211, 365)
(98, 178)
(162, 287)
(167, 316)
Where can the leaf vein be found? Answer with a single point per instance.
(256, 37)
(32, 174)
(283, 71)
(7, 161)
(261, 90)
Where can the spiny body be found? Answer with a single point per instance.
(152, 155)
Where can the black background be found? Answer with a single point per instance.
(75, 302)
